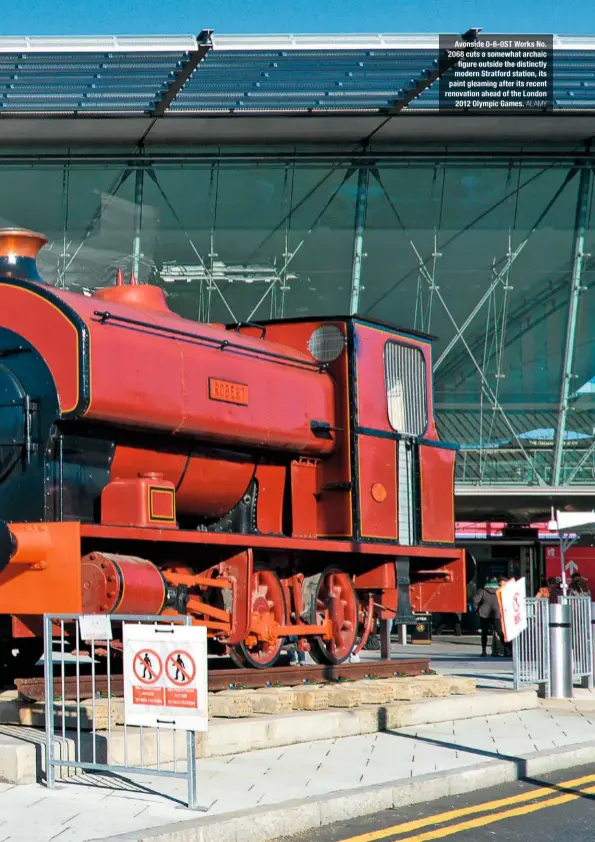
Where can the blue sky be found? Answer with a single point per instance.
(122, 17)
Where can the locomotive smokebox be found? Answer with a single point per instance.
(18, 254)
(7, 545)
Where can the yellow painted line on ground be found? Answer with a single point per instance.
(441, 832)
(439, 818)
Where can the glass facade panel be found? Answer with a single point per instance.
(477, 249)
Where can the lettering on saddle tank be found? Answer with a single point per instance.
(222, 390)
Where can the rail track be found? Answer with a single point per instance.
(32, 689)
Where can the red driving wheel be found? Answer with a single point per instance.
(334, 592)
(268, 600)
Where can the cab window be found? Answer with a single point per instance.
(406, 392)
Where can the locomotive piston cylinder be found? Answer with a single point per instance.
(26, 544)
(121, 584)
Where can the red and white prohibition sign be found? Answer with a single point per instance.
(165, 676)
(180, 667)
(147, 666)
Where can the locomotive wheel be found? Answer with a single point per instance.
(334, 592)
(268, 598)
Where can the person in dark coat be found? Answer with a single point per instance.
(485, 603)
(555, 586)
(579, 585)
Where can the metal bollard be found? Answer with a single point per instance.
(403, 635)
(561, 652)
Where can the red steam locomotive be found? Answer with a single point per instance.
(273, 480)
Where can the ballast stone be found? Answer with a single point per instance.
(310, 698)
(374, 692)
(272, 703)
(434, 686)
(462, 686)
(230, 704)
(344, 696)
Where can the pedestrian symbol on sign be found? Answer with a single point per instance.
(147, 669)
(516, 605)
(180, 667)
(180, 674)
(147, 666)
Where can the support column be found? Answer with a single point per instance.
(65, 204)
(404, 611)
(139, 182)
(361, 209)
(385, 627)
(578, 257)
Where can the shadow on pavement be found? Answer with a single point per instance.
(520, 763)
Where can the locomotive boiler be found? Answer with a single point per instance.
(272, 480)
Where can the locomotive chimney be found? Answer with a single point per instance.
(18, 254)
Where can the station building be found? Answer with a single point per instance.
(266, 176)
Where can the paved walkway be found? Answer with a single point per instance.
(450, 655)
(91, 808)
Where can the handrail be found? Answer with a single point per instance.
(105, 316)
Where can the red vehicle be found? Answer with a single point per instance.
(273, 480)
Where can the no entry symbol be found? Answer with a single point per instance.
(180, 667)
(147, 666)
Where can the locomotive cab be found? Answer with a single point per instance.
(390, 478)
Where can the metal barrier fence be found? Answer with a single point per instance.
(531, 649)
(87, 737)
(582, 638)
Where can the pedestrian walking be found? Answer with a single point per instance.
(579, 585)
(485, 602)
(555, 586)
(297, 658)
